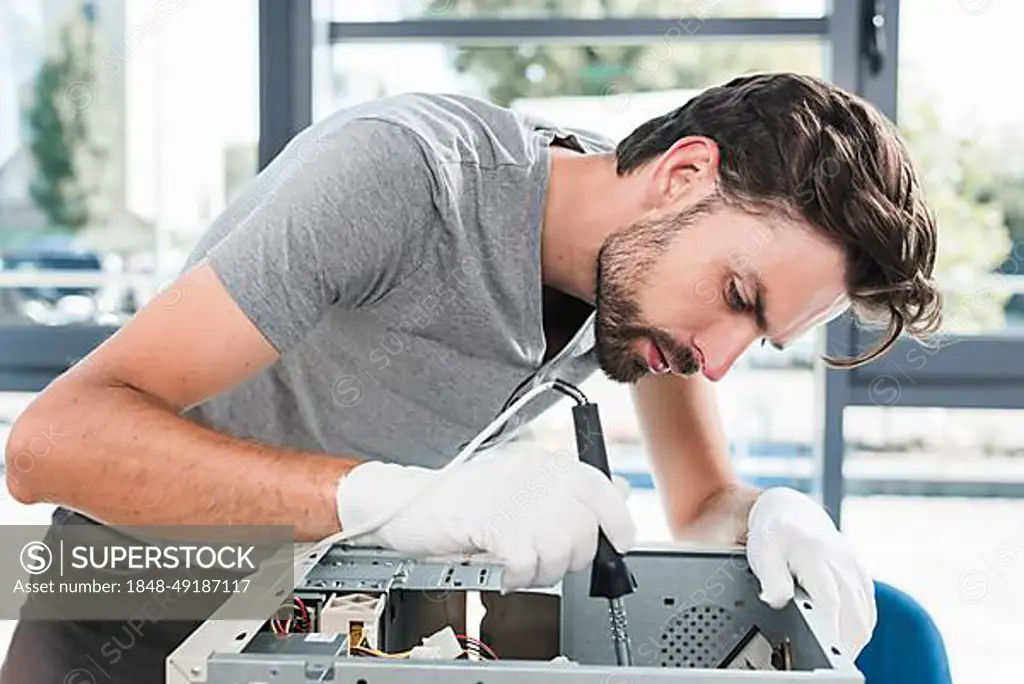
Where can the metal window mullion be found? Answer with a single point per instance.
(286, 73)
(566, 30)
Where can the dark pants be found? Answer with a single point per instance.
(70, 651)
(92, 652)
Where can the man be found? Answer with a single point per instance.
(406, 268)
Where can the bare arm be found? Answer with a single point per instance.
(689, 454)
(115, 448)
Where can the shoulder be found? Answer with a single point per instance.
(449, 129)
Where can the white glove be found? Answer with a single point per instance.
(789, 535)
(537, 513)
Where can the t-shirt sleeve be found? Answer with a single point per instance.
(337, 219)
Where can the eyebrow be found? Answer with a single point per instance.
(759, 314)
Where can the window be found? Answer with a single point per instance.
(961, 118)
(936, 507)
(609, 88)
(120, 140)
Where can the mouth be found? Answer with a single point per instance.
(660, 363)
(656, 359)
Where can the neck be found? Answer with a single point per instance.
(586, 202)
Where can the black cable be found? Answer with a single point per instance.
(570, 390)
(560, 385)
(516, 393)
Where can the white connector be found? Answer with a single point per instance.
(444, 642)
(356, 615)
(425, 653)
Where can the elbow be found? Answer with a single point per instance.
(31, 444)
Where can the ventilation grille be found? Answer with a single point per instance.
(701, 636)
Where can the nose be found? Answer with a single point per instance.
(721, 346)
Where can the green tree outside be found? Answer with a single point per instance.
(59, 133)
(670, 62)
(961, 182)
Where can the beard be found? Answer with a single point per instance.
(619, 333)
(623, 262)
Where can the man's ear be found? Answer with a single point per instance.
(689, 167)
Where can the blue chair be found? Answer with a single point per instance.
(906, 647)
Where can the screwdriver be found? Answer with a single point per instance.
(609, 577)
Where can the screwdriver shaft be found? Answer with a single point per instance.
(620, 632)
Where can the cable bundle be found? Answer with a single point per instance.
(477, 647)
(301, 623)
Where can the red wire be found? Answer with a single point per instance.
(303, 612)
(302, 607)
(479, 643)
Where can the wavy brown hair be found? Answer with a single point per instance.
(802, 146)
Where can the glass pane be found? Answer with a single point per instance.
(607, 88)
(937, 509)
(969, 140)
(120, 141)
(689, 12)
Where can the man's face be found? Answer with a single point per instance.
(688, 291)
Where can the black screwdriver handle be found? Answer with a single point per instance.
(609, 578)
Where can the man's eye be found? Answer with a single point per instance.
(735, 298)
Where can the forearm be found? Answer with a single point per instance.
(687, 445)
(122, 457)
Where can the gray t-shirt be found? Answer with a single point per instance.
(391, 254)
